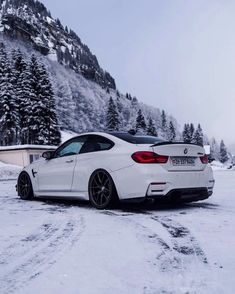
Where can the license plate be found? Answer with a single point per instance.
(188, 161)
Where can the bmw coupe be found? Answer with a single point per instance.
(106, 167)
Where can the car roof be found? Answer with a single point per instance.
(103, 134)
(128, 138)
(125, 138)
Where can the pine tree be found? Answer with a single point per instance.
(3, 69)
(140, 122)
(128, 96)
(37, 106)
(198, 136)
(151, 129)
(19, 66)
(41, 124)
(112, 117)
(171, 132)
(50, 131)
(119, 105)
(27, 100)
(223, 156)
(186, 134)
(164, 122)
(134, 102)
(191, 132)
(214, 149)
(8, 106)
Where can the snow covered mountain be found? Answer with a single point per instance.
(82, 88)
(30, 21)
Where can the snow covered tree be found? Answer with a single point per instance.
(42, 125)
(3, 70)
(119, 105)
(164, 122)
(151, 129)
(18, 61)
(8, 105)
(223, 156)
(191, 132)
(19, 66)
(37, 106)
(112, 117)
(134, 103)
(140, 122)
(214, 149)
(128, 96)
(26, 98)
(198, 136)
(50, 131)
(186, 134)
(171, 133)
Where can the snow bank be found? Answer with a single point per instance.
(8, 171)
(217, 166)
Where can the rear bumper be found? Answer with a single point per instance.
(184, 195)
(155, 182)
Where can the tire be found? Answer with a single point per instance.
(24, 187)
(102, 190)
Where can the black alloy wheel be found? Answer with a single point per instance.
(24, 187)
(102, 191)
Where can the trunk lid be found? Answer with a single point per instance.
(182, 156)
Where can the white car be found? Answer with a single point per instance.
(104, 167)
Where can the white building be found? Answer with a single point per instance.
(22, 155)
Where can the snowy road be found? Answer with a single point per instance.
(68, 247)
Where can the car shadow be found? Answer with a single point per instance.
(146, 207)
(149, 207)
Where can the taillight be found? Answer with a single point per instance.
(149, 157)
(204, 159)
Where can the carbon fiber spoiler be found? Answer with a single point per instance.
(173, 143)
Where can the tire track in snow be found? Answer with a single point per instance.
(167, 258)
(34, 240)
(180, 256)
(183, 242)
(43, 251)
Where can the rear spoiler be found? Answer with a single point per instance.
(174, 143)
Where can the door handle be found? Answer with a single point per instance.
(69, 161)
(34, 173)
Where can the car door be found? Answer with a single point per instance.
(56, 174)
(92, 155)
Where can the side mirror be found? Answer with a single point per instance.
(48, 154)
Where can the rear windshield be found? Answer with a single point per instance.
(137, 139)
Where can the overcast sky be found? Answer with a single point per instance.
(177, 55)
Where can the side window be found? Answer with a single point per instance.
(72, 147)
(33, 157)
(96, 143)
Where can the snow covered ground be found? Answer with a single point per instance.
(216, 166)
(69, 247)
(8, 171)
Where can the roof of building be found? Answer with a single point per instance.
(27, 147)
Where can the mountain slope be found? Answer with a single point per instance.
(82, 89)
(30, 21)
